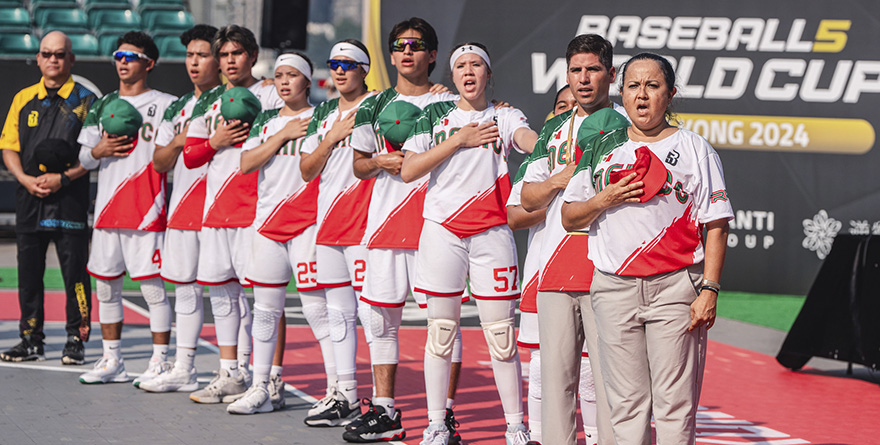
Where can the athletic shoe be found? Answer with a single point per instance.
(176, 379)
(74, 352)
(435, 435)
(107, 370)
(533, 442)
(592, 435)
(517, 436)
(376, 426)
(222, 388)
(276, 392)
(154, 369)
(255, 400)
(29, 349)
(452, 425)
(339, 413)
(323, 404)
(368, 414)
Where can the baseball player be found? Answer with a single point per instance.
(394, 223)
(230, 203)
(284, 242)
(343, 201)
(563, 302)
(118, 138)
(464, 145)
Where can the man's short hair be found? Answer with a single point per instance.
(424, 28)
(236, 34)
(198, 32)
(141, 40)
(591, 44)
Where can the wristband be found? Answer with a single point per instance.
(713, 289)
(710, 283)
(65, 180)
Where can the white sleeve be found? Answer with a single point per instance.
(711, 196)
(515, 195)
(363, 139)
(88, 138)
(513, 119)
(165, 133)
(419, 143)
(537, 171)
(579, 188)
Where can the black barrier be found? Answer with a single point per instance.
(840, 319)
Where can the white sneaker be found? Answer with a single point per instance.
(176, 379)
(107, 370)
(247, 375)
(435, 435)
(222, 388)
(154, 369)
(323, 404)
(519, 435)
(592, 435)
(276, 392)
(255, 400)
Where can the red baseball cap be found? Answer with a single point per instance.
(649, 169)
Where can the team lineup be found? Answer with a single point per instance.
(370, 197)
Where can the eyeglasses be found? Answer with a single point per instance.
(414, 44)
(130, 56)
(48, 54)
(346, 65)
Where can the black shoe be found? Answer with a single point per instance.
(340, 413)
(370, 413)
(74, 351)
(452, 425)
(376, 426)
(29, 349)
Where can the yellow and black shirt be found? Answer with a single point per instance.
(36, 114)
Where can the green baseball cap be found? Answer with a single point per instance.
(239, 103)
(121, 118)
(600, 122)
(397, 120)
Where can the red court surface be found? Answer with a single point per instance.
(747, 397)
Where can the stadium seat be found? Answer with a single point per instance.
(63, 19)
(19, 44)
(84, 44)
(164, 20)
(107, 43)
(105, 20)
(11, 4)
(170, 47)
(36, 5)
(15, 20)
(145, 5)
(89, 5)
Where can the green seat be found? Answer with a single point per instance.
(107, 43)
(15, 20)
(62, 19)
(89, 5)
(19, 44)
(165, 20)
(144, 5)
(11, 4)
(105, 20)
(84, 44)
(170, 47)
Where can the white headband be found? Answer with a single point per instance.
(346, 49)
(468, 49)
(294, 61)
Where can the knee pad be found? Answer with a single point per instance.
(110, 300)
(364, 313)
(441, 336)
(501, 338)
(222, 300)
(535, 376)
(265, 322)
(186, 299)
(153, 291)
(338, 330)
(316, 316)
(383, 322)
(587, 385)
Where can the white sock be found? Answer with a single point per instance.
(437, 417)
(231, 367)
(513, 420)
(348, 389)
(450, 403)
(113, 349)
(385, 402)
(276, 371)
(185, 358)
(160, 353)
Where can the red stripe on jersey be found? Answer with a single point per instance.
(105, 277)
(439, 294)
(169, 280)
(197, 152)
(293, 215)
(134, 201)
(346, 220)
(568, 269)
(235, 205)
(523, 344)
(672, 249)
(146, 277)
(487, 210)
(190, 209)
(496, 297)
(403, 227)
(257, 283)
(381, 304)
(529, 301)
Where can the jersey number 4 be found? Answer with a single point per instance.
(157, 258)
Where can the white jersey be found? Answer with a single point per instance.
(562, 253)
(286, 204)
(188, 194)
(343, 199)
(531, 267)
(230, 196)
(131, 194)
(395, 216)
(468, 191)
(665, 233)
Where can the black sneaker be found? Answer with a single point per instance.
(74, 351)
(29, 349)
(452, 425)
(339, 413)
(370, 413)
(377, 427)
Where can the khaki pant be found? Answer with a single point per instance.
(650, 362)
(565, 319)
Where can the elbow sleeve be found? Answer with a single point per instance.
(197, 152)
